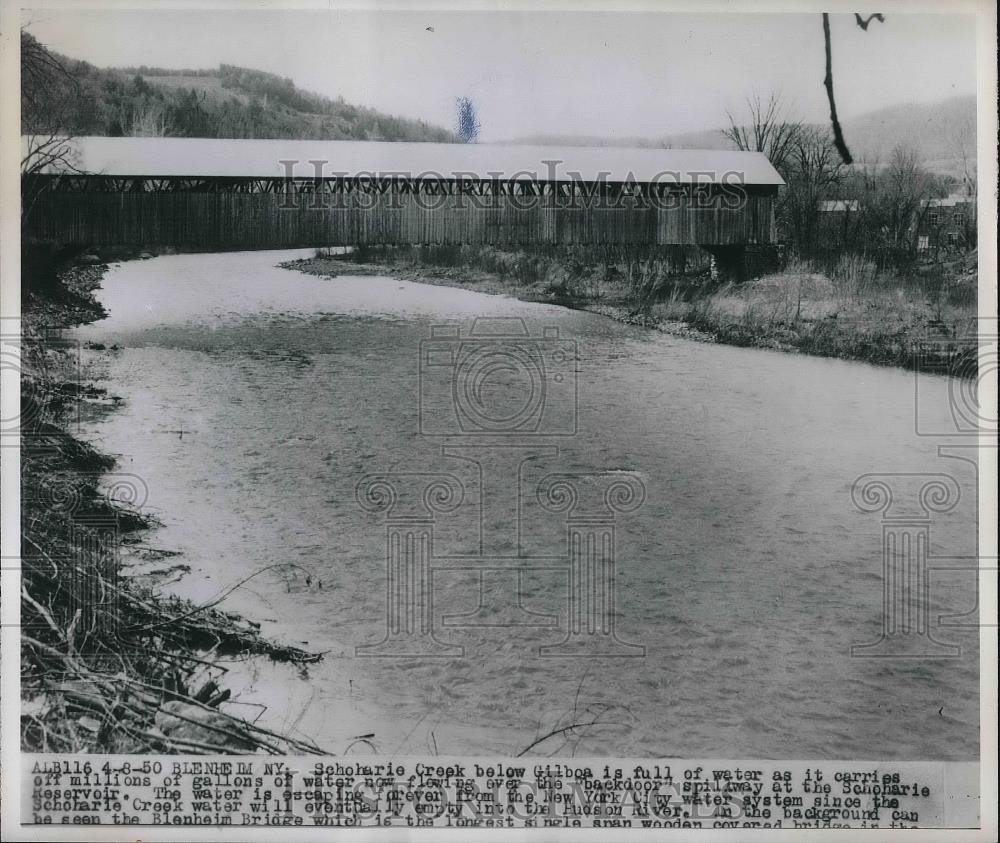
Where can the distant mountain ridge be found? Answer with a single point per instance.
(933, 130)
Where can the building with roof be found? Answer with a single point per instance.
(837, 223)
(948, 223)
(839, 206)
(194, 193)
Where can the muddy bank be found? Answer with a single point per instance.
(109, 663)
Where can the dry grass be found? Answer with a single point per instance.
(853, 310)
(848, 309)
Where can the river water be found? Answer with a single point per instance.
(256, 398)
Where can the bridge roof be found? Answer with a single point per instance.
(207, 158)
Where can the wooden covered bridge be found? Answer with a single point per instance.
(208, 194)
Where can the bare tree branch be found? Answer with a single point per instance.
(50, 98)
(863, 22)
(768, 130)
(838, 134)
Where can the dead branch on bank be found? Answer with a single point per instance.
(107, 664)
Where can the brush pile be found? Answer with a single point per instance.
(107, 663)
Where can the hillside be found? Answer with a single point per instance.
(226, 102)
(932, 130)
(236, 102)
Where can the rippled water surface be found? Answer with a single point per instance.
(257, 397)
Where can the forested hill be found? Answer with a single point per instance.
(227, 102)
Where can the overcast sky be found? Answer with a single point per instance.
(622, 74)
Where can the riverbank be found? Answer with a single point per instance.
(109, 662)
(291, 388)
(850, 311)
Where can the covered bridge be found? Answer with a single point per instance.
(191, 193)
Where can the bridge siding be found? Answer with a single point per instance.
(234, 220)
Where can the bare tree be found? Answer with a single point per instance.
(144, 120)
(49, 94)
(893, 203)
(50, 97)
(907, 187)
(467, 123)
(768, 129)
(814, 171)
(963, 142)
